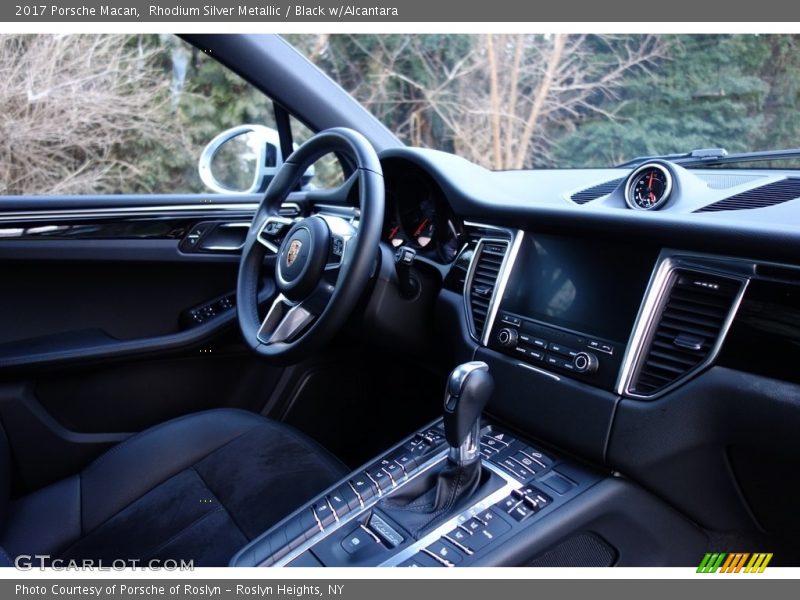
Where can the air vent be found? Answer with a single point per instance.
(486, 269)
(760, 197)
(690, 322)
(473, 233)
(596, 191)
(477, 232)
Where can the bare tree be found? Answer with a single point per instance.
(540, 84)
(500, 102)
(69, 107)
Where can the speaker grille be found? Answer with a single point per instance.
(760, 197)
(596, 191)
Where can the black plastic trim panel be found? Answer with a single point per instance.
(572, 415)
(96, 345)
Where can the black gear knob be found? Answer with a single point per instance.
(468, 390)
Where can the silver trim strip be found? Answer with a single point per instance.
(355, 514)
(484, 504)
(485, 226)
(540, 371)
(657, 291)
(512, 248)
(500, 287)
(134, 211)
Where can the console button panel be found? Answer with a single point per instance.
(346, 527)
(575, 354)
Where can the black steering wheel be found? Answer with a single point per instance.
(323, 262)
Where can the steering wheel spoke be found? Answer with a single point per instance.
(342, 231)
(273, 231)
(322, 262)
(286, 320)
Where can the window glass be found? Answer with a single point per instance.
(511, 101)
(125, 114)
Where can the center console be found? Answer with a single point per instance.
(554, 317)
(450, 495)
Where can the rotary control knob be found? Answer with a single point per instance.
(507, 337)
(585, 362)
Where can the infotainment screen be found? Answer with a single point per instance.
(587, 286)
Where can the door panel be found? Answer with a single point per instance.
(127, 301)
(108, 327)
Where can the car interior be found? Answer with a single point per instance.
(430, 365)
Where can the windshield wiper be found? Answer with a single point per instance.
(704, 154)
(718, 156)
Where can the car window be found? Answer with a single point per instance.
(118, 114)
(511, 101)
(327, 171)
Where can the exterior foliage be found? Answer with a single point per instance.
(130, 114)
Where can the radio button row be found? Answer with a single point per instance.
(563, 350)
(511, 320)
(601, 346)
(532, 340)
(530, 352)
(559, 362)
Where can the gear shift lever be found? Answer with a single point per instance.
(434, 498)
(468, 390)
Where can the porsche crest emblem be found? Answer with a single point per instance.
(294, 250)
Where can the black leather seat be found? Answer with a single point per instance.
(196, 488)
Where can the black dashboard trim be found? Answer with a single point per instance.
(476, 194)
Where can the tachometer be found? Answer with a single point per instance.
(648, 187)
(419, 222)
(392, 233)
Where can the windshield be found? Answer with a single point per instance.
(516, 101)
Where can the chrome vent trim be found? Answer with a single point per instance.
(658, 294)
(477, 231)
(500, 282)
(487, 264)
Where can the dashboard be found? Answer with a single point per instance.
(659, 342)
(630, 280)
(645, 319)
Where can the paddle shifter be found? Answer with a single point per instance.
(468, 390)
(438, 495)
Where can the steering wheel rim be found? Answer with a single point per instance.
(318, 286)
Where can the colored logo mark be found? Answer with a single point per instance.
(737, 562)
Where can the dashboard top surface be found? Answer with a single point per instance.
(541, 200)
